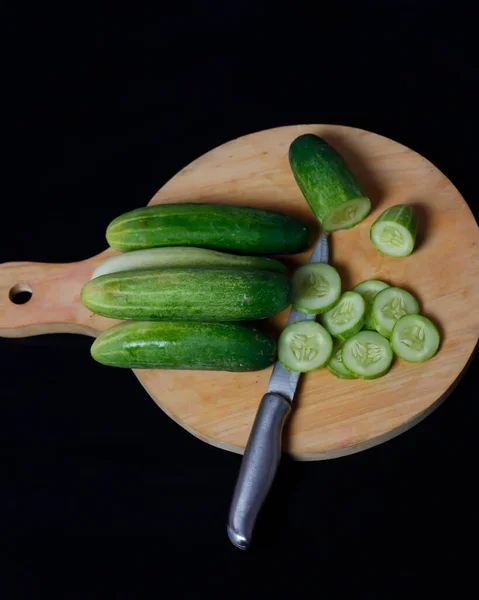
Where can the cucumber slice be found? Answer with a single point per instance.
(415, 338)
(394, 231)
(368, 290)
(389, 306)
(316, 287)
(347, 317)
(336, 365)
(304, 346)
(328, 184)
(367, 355)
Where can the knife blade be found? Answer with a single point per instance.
(263, 451)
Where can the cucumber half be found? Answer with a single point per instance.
(368, 290)
(389, 306)
(304, 346)
(347, 317)
(415, 338)
(394, 231)
(316, 287)
(367, 355)
(347, 215)
(336, 365)
(327, 182)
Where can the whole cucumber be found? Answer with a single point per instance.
(188, 294)
(185, 345)
(221, 226)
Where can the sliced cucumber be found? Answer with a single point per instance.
(304, 346)
(330, 187)
(394, 231)
(316, 287)
(367, 355)
(347, 317)
(336, 365)
(153, 258)
(368, 290)
(415, 338)
(389, 306)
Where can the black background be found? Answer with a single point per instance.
(101, 494)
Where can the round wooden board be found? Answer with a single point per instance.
(331, 417)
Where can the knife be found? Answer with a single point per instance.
(263, 451)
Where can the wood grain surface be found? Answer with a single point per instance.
(331, 417)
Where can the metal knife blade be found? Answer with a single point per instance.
(263, 450)
(282, 380)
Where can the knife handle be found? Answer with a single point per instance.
(258, 468)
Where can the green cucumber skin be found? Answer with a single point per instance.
(339, 374)
(342, 374)
(184, 257)
(185, 345)
(190, 294)
(402, 214)
(353, 331)
(323, 177)
(219, 226)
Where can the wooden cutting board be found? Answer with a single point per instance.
(331, 417)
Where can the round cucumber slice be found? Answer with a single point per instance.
(389, 306)
(304, 346)
(347, 317)
(367, 355)
(368, 290)
(394, 231)
(415, 338)
(336, 365)
(316, 287)
(347, 215)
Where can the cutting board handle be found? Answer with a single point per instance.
(38, 298)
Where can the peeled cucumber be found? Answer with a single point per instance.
(330, 187)
(183, 257)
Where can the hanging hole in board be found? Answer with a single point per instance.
(20, 293)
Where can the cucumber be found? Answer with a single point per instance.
(189, 294)
(415, 338)
(221, 226)
(328, 184)
(347, 317)
(304, 346)
(184, 257)
(185, 345)
(315, 288)
(336, 365)
(394, 231)
(368, 290)
(389, 306)
(367, 355)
